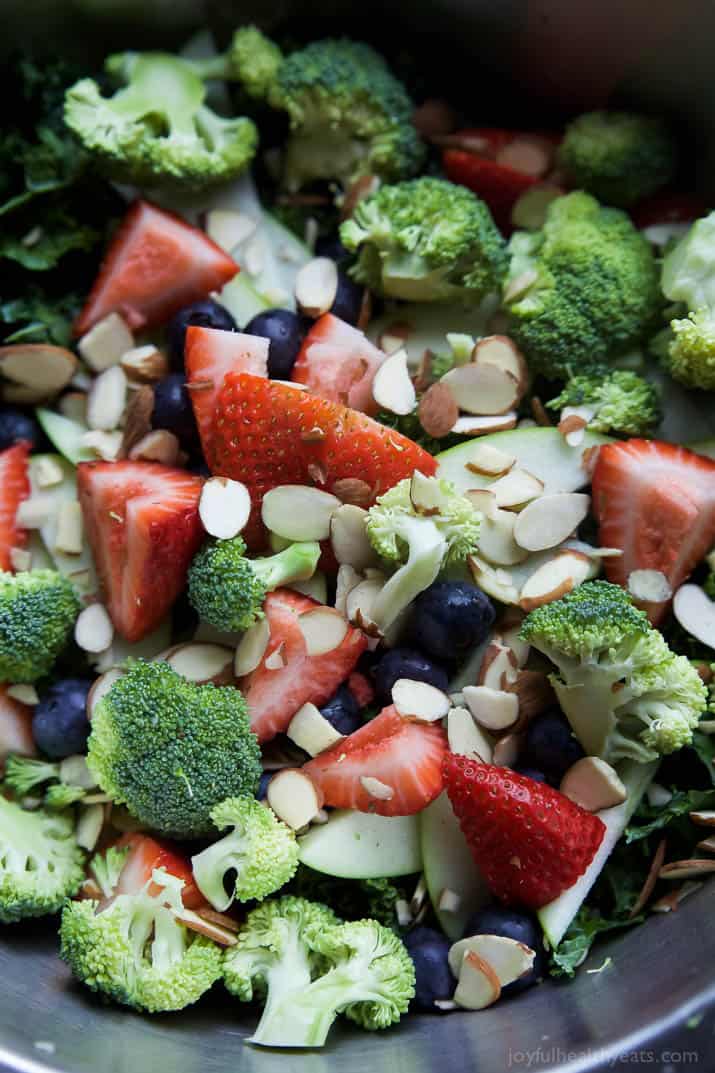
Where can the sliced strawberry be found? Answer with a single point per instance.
(156, 263)
(655, 501)
(275, 693)
(361, 689)
(339, 363)
(267, 433)
(15, 727)
(530, 842)
(14, 487)
(142, 521)
(209, 354)
(145, 855)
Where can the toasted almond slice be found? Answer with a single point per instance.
(492, 581)
(100, 687)
(47, 472)
(348, 536)
(105, 344)
(359, 604)
(107, 445)
(527, 154)
(419, 897)
(593, 784)
(323, 630)
(354, 491)
(490, 461)
(35, 371)
(507, 750)
(426, 494)
(708, 844)
(107, 400)
(298, 512)
(516, 488)
(550, 519)
(347, 579)
(693, 868)
(508, 958)
(392, 388)
(438, 411)
(137, 418)
(502, 351)
(200, 662)
(157, 446)
(478, 985)
(311, 731)
(69, 531)
(449, 901)
(25, 694)
(554, 579)
(517, 287)
(535, 694)
(651, 586)
(481, 426)
(202, 926)
(485, 389)
(704, 818)
(316, 285)
(144, 364)
(89, 826)
(484, 500)
(494, 709)
(93, 630)
(294, 797)
(395, 336)
(224, 507)
(376, 788)
(466, 737)
(274, 661)
(419, 700)
(496, 539)
(508, 628)
(499, 666)
(696, 613)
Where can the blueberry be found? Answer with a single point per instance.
(406, 663)
(173, 410)
(15, 426)
(429, 950)
(511, 924)
(331, 246)
(449, 618)
(285, 331)
(204, 314)
(530, 772)
(262, 790)
(550, 745)
(348, 300)
(342, 711)
(59, 725)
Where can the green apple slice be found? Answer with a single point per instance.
(448, 865)
(361, 845)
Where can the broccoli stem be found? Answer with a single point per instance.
(304, 1018)
(427, 550)
(295, 563)
(166, 79)
(211, 865)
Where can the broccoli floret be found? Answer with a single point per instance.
(24, 773)
(136, 950)
(156, 130)
(426, 240)
(106, 868)
(37, 613)
(619, 157)
(61, 795)
(709, 585)
(261, 850)
(619, 401)
(228, 590)
(581, 291)
(625, 693)
(251, 59)
(171, 750)
(403, 529)
(40, 862)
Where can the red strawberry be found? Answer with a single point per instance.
(338, 363)
(14, 487)
(529, 841)
(655, 501)
(266, 433)
(403, 754)
(146, 854)
(361, 689)
(15, 727)
(274, 695)
(209, 354)
(142, 521)
(156, 263)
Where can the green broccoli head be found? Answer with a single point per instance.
(581, 291)
(619, 157)
(227, 589)
(136, 951)
(156, 129)
(253, 60)
(261, 850)
(106, 868)
(40, 862)
(687, 350)
(619, 401)
(625, 693)
(23, 774)
(426, 240)
(349, 115)
(37, 613)
(171, 750)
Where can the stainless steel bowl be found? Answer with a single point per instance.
(652, 1005)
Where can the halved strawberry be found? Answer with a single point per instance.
(15, 727)
(14, 487)
(339, 363)
(156, 263)
(655, 501)
(405, 756)
(146, 854)
(208, 355)
(275, 693)
(267, 433)
(143, 525)
(529, 841)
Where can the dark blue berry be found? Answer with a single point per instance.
(550, 745)
(16, 426)
(450, 618)
(429, 950)
(59, 725)
(331, 246)
(511, 924)
(348, 302)
(285, 331)
(204, 314)
(342, 711)
(262, 790)
(406, 663)
(173, 410)
(530, 773)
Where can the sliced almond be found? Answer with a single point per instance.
(593, 784)
(482, 426)
(105, 344)
(34, 371)
(708, 844)
(535, 694)
(496, 538)
(509, 628)
(499, 667)
(93, 630)
(508, 958)
(274, 661)
(294, 797)
(376, 788)
(484, 501)
(229, 229)
(696, 613)
(89, 826)
(137, 419)
(107, 445)
(494, 709)
(517, 287)
(107, 400)
(527, 154)
(359, 605)
(492, 581)
(507, 750)
(100, 687)
(353, 491)
(466, 737)
(689, 869)
(516, 489)
(69, 530)
(224, 507)
(395, 336)
(316, 285)
(652, 586)
(47, 471)
(502, 351)
(449, 901)
(200, 662)
(311, 731)
(438, 411)
(323, 630)
(550, 519)
(158, 446)
(484, 388)
(347, 579)
(349, 539)
(419, 700)
(316, 587)
(144, 364)
(392, 388)
(554, 579)
(202, 926)
(573, 427)
(490, 461)
(478, 985)
(704, 818)
(25, 694)
(426, 494)
(298, 512)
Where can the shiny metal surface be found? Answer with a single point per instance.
(652, 1006)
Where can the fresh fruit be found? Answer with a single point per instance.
(266, 434)
(360, 845)
(529, 841)
(156, 263)
(361, 688)
(287, 677)
(142, 522)
(203, 314)
(429, 951)
(15, 727)
(14, 487)
(342, 711)
(550, 746)
(284, 331)
(406, 663)
(60, 725)
(149, 854)
(449, 866)
(510, 924)
(339, 363)
(655, 501)
(174, 412)
(450, 618)
(15, 426)
(390, 766)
